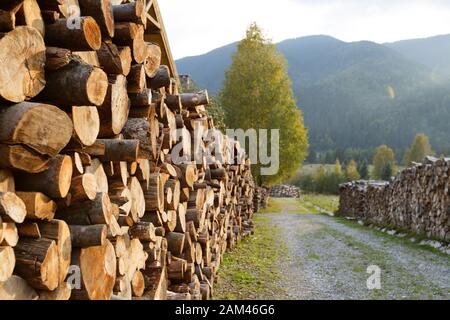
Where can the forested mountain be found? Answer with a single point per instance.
(359, 94)
(432, 52)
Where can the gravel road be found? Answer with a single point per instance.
(328, 259)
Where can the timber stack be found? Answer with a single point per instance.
(416, 200)
(103, 194)
(285, 191)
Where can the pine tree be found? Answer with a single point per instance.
(420, 148)
(387, 172)
(258, 94)
(351, 171)
(363, 170)
(383, 156)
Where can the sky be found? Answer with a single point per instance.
(198, 26)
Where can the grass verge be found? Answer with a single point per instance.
(251, 271)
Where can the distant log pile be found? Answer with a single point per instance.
(285, 191)
(97, 170)
(417, 200)
(260, 198)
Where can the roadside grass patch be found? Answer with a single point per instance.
(251, 271)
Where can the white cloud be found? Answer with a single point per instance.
(198, 26)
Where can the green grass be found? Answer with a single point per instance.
(251, 271)
(328, 203)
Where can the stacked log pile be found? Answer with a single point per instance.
(103, 194)
(285, 191)
(416, 200)
(260, 198)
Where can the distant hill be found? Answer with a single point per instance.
(358, 94)
(433, 52)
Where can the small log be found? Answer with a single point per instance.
(143, 99)
(7, 263)
(97, 211)
(10, 234)
(153, 60)
(7, 183)
(120, 150)
(88, 85)
(131, 12)
(101, 11)
(115, 107)
(83, 188)
(85, 37)
(138, 284)
(86, 124)
(192, 100)
(176, 242)
(143, 231)
(136, 79)
(54, 182)
(12, 207)
(88, 236)
(161, 79)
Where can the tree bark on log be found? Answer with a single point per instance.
(37, 262)
(59, 231)
(85, 37)
(22, 158)
(88, 85)
(54, 182)
(88, 236)
(102, 12)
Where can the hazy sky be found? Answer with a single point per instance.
(198, 26)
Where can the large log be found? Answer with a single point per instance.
(22, 61)
(88, 85)
(37, 262)
(98, 272)
(44, 128)
(54, 182)
(85, 37)
(101, 11)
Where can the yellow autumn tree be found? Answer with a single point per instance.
(258, 94)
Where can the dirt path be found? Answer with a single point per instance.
(328, 259)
